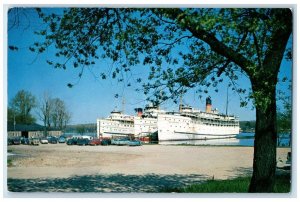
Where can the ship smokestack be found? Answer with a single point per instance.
(208, 105)
(139, 112)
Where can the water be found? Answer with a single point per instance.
(242, 139)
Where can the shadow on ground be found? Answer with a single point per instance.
(117, 183)
(241, 172)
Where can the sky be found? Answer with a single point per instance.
(91, 97)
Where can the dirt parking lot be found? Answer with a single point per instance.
(62, 168)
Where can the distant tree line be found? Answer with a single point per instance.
(284, 115)
(82, 128)
(247, 126)
(52, 112)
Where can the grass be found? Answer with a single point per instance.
(236, 185)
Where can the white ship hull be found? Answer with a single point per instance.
(176, 128)
(178, 136)
(117, 124)
(111, 134)
(226, 141)
(144, 126)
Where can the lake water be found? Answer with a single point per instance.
(242, 139)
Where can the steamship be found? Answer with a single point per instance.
(193, 124)
(186, 124)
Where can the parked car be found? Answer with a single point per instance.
(135, 143)
(72, 141)
(16, 141)
(83, 141)
(120, 141)
(87, 137)
(94, 142)
(52, 140)
(24, 140)
(61, 139)
(34, 141)
(106, 142)
(75, 137)
(44, 141)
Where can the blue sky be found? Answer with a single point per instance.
(93, 98)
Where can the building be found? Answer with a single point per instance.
(30, 131)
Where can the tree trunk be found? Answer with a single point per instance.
(264, 163)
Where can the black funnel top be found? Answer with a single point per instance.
(208, 101)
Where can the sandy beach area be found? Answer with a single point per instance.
(124, 168)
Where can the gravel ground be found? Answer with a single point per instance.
(149, 168)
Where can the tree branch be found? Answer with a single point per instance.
(275, 50)
(177, 40)
(212, 41)
(257, 49)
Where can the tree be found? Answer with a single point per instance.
(59, 114)
(284, 116)
(80, 129)
(21, 106)
(199, 44)
(284, 119)
(10, 115)
(53, 112)
(45, 107)
(248, 125)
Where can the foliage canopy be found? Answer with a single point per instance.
(21, 107)
(185, 48)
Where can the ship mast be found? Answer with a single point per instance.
(123, 105)
(180, 103)
(227, 102)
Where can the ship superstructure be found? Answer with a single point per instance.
(145, 123)
(117, 124)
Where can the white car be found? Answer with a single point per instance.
(44, 141)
